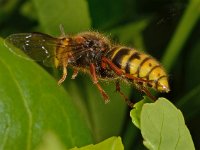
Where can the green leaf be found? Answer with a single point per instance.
(113, 143)
(73, 15)
(163, 127)
(51, 142)
(136, 111)
(31, 103)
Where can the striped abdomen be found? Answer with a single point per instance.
(140, 65)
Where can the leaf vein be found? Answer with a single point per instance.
(161, 130)
(178, 133)
(25, 105)
(5, 136)
(69, 126)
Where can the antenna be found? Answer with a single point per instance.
(62, 30)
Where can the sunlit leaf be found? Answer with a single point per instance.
(163, 127)
(51, 142)
(113, 143)
(136, 111)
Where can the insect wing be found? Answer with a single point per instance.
(37, 46)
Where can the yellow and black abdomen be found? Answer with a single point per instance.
(140, 65)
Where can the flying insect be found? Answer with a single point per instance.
(95, 54)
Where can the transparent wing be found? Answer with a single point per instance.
(37, 46)
(41, 47)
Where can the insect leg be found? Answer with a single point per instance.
(75, 73)
(146, 91)
(64, 73)
(129, 76)
(103, 65)
(120, 72)
(95, 81)
(62, 30)
(123, 95)
(112, 66)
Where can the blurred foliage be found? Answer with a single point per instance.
(168, 30)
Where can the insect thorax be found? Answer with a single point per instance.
(89, 47)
